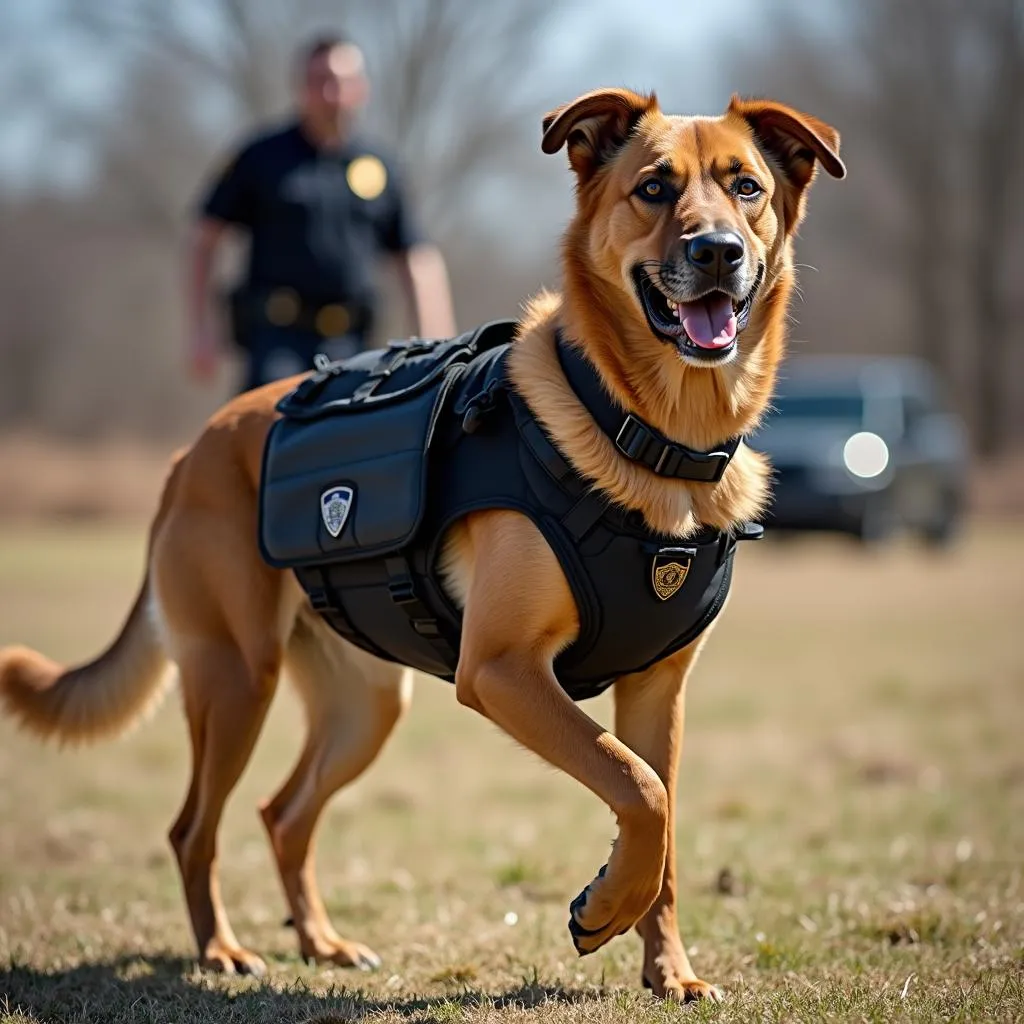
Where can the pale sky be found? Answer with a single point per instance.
(595, 42)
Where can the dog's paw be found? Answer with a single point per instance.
(225, 959)
(688, 991)
(342, 953)
(593, 921)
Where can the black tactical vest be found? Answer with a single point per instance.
(375, 457)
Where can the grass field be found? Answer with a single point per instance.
(851, 833)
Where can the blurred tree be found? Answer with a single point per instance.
(948, 79)
(921, 248)
(216, 67)
(998, 157)
(927, 94)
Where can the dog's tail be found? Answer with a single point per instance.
(91, 701)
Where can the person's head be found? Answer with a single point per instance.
(331, 79)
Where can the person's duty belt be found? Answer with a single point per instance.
(285, 307)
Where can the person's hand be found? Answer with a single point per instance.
(203, 357)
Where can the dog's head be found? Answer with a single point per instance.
(687, 221)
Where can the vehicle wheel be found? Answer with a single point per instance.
(877, 522)
(942, 530)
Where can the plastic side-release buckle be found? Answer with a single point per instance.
(750, 531)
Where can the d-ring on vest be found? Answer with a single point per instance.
(375, 457)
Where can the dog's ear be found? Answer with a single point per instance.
(795, 142)
(594, 126)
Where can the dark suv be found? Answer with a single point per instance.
(865, 446)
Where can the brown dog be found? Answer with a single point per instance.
(677, 274)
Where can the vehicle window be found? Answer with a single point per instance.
(819, 406)
(915, 408)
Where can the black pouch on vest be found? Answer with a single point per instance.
(344, 472)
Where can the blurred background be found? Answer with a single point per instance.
(853, 776)
(115, 113)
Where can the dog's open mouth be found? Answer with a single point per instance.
(704, 328)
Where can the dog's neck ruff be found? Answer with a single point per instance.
(632, 437)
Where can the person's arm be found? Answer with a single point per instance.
(230, 200)
(424, 276)
(422, 270)
(203, 344)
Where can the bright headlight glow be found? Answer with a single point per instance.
(865, 455)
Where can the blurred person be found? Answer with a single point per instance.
(320, 205)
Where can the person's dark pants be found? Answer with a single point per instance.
(276, 352)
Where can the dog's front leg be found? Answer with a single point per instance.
(649, 718)
(519, 614)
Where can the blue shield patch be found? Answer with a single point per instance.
(335, 505)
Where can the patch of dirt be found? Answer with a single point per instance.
(46, 479)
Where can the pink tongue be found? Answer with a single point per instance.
(709, 322)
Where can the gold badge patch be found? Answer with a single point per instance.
(367, 177)
(668, 572)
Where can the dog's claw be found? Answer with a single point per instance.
(229, 960)
(257, 968)
(368, 961)
(576, 930)
(346, 954)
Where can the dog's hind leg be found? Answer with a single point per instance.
(352, 703)
(226, 707)
(225, 617)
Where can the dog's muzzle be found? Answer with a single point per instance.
(704, 328)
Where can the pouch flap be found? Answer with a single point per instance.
(344, 473)
(338, 488)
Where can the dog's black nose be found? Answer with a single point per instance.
(717, 253)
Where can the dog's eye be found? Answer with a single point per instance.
(653, 190)
(748, 188)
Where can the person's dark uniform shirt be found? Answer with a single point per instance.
(318, 219)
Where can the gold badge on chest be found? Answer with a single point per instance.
(669, 570)
(367, 176)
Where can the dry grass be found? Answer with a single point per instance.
(851, 836)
